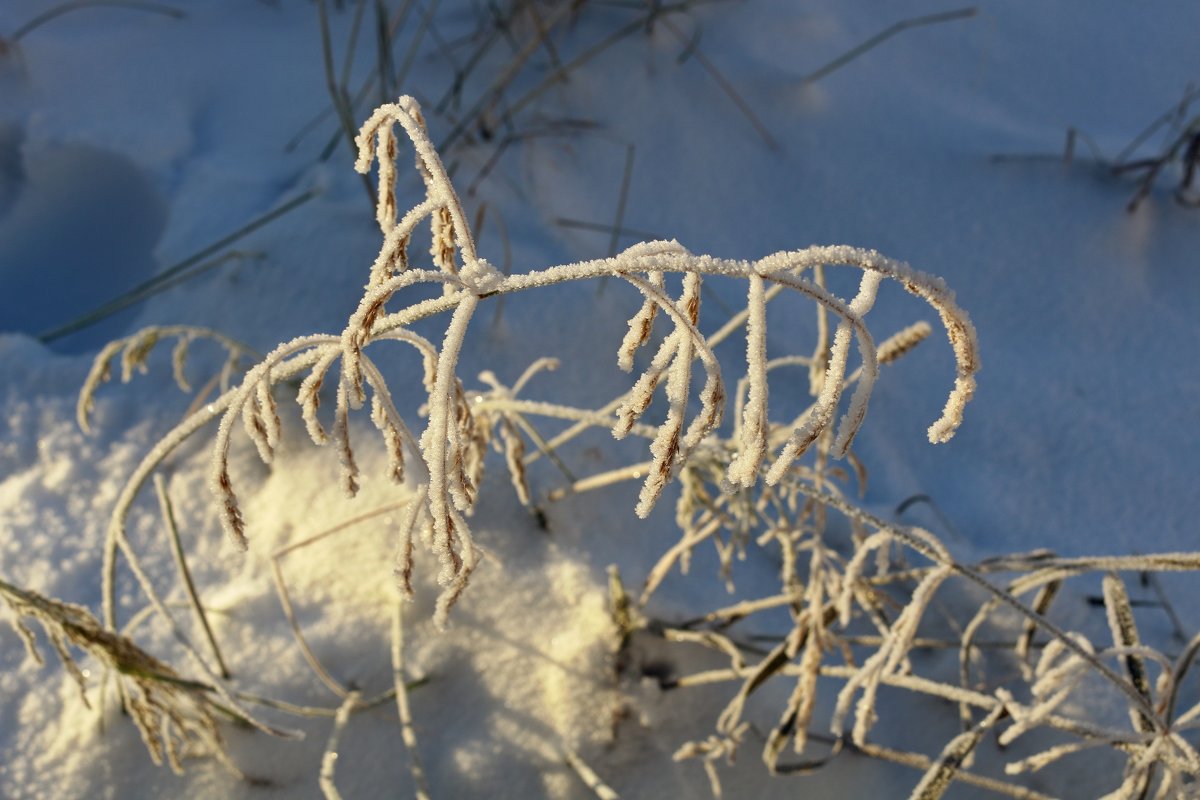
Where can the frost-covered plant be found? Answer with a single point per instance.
(847, 596)
(174, 715)
(449, 452)
(131, 353)
(868, 616)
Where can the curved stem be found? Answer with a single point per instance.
(66, 8)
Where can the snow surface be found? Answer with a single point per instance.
(130, 140)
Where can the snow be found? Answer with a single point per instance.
(130, 140)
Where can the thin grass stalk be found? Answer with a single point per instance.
(496, 88)
(173, 274)
(65, 8)
(414, 47)
(586, 774)
(360, 7)
(336, 92)
(310, 658)
(218, 687)
(884, 35)
(330, 758)
(339, 94)
(407, 731)
(924, 763)
(622, 199)
(948, 766)
(168, 514)
(383, 47)
(725, 85)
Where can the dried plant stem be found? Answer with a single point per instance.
(330, 758)
(921, 643)
(360, 7)
(600, 227)
(172, 713)
(781, 269)
(948, 766)
(827, 587)
(633, 472)
(1004, 597)
(1044, 564)
(310, 658)
(820, 357)
(622, 199)
(410, 56)
(490, 95)
(407, 732)
(66, 8)
(364, 88)
(724, 83)
(590, 419)
(339, 94)
(168, 514)
(285, 599)
(383, 53)
(543, 446)
(884, 35)
(174, 274)
(724, 332)
(912, 683)
(386, 508)
(460, 425)
(556, 76)
(729, 614)
(336, 92)
(588, 775)
(314, 712)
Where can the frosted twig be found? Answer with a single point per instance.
(588, 775)
(434, 447)
(407, 733)
(712, 750)
(330, 757)
(1125, 637)
(743, 470)
(134, 351)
